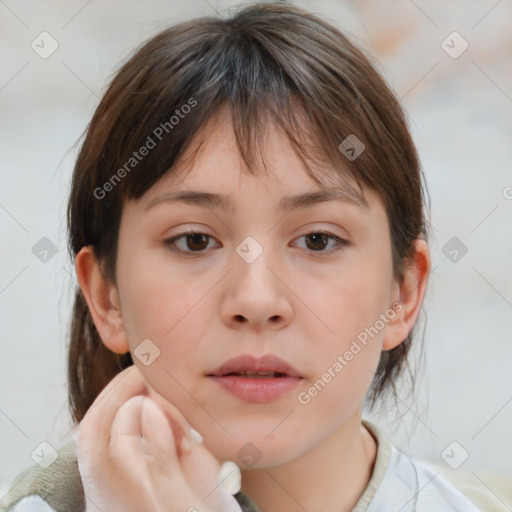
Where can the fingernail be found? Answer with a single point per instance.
(230, 478)
(185, 444)
(196, 436)
(188, 441)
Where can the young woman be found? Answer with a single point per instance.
(247, 222)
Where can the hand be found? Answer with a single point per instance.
(133, 456)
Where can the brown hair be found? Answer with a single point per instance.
(267, 61)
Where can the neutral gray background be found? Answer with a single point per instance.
(460, 112)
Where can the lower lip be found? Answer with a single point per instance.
(257, 389)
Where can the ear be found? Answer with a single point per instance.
(408, 297)
(103, 301)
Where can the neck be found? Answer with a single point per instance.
(331, 477)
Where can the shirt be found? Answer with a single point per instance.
(399, 482)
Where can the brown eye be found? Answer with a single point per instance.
(317, 241)
(190, 242)
(196, 241)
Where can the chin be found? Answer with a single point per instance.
(254, 449)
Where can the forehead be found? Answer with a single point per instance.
(213, 163)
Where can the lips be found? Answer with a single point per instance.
(257, 380)
(268, 366)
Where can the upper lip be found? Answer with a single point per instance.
(248, 362)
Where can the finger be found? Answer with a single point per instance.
(155, 429)
(180, 426)
(159, 443)
(141, 435)
(94, 430)
(125, 445)
(121, 461)
(208, 483)
(168, 481)
(128, 448)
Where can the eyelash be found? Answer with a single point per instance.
(340, 242)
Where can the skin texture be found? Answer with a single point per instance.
(297, 300)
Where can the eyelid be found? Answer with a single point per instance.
(170, 242)
(340, 242)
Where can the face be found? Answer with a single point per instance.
(302, 284)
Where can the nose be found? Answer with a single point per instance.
(257, 297)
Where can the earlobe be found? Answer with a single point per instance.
(410, 297)
(102, 300)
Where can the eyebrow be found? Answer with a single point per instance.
(226, 203)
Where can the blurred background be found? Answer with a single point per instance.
(450, 65)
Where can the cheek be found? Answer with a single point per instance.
(162, 307)
(159, 297)
(350, 305)
(351, 299)
(334, 394)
